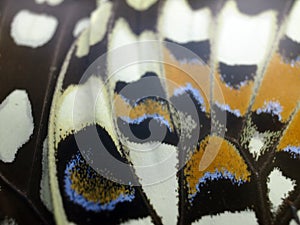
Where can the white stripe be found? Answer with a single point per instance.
(155, 165)
(293, 27)
(99, 21)
(82, 43)
(129, 63)
(96, 31)
(244, 39)
(180, 23)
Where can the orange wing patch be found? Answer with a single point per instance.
(87, 188)
(228, 164)
(182, 74)
(147, 107)
(237, 99)
(291, 136)
(280, 85)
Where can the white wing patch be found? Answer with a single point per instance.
(80, 26)
(16, 124)
(141, 5)
(49, 2)
(32, 29)
(83, 45)
(244, 39)
(246, 217)
(293, 30)
(256, 144)
(279, 186)
(124, 68)
(82, 105)
(97, 29)
(180, 23)
(99, 21)
(156, 166)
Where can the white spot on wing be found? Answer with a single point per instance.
(80, 26)
(49, 2)
(16, 124)
(246, 217)
(244, 39)
(180, 23)
(255, 145)
(293, 30)
(31, 29)
(141, 5)
(279, 186)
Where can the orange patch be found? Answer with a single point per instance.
(281, 83)
(121, 107)
(180, 74)
(235, 98)
(95, 188)
(149, 106)
(291, 136)
(227, 159)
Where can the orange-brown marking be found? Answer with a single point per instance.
(227, 159)
(235, 98)
(281, 83)
(291, 136)
(149, 106)
(179, 74)
(95, 188)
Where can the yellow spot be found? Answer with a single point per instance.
(227, 159)
(291, 136)
(281, 83)
(93, 187)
